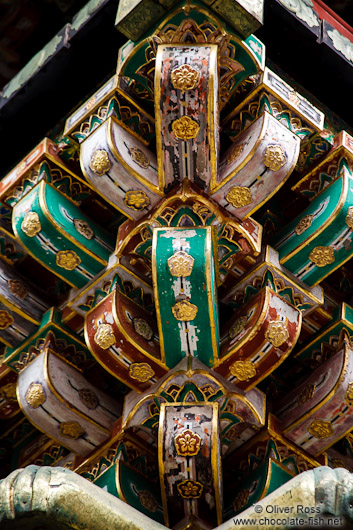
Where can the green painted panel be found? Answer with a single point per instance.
(186, 304)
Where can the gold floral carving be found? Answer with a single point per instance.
(35, 395)
(71, 429)
(237, 327)
(190, 489)
(31, 224)
(322, 256)
(136, 200)
(276, 333)
(243, 370)
(304, 224)
(83, 228)
(141, 372)
(9, 391)
(241, 500)
(185, 128)
(187, 443)
(184, 311)
(239, 196)
(185, 77)
(349, 395)
(67, 259)
(18, 289)
(349, 217)
(180, 264)
(148, 500)
(100, 163)
(306, 394)
(139, 157)
(274, 157)
(104, 336)
(320, 429)
(5, 319)
(88, 398)
(235, 153)
(143, 328)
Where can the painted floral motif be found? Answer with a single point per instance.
(18, 289)
(180, 264)
(67, 259)
(100, 163)
(139, 157)
(35, 395)
(306, 394)
(185, 77)
(274, 157)
(104, 336)
(71, 429)
(237, 327)
(136, 200)
(5, 319)
(141, 372)
(185, 128)
(190, 489)
(187, 443)
(276, 333)
(148, 500)
(83, 228)
(243, 370)
(320, 429)
(31, 224)
(342, 44)
(303, 224)
(239, 196)
(241, 500)
(88, 398)
(322, 256)
(184, 311)
(143, 328)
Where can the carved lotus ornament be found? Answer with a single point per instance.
(141, 372)
(31, 224)
(190, 489)
(243, 370)
(139, 157)
(83, 228)
(184, 311)
(303, 224)
(71, 429)
(35, 395)
(187, 443)
(274, 157)
(276, 333)
(180, 264)
(185, 128)
(136, 199)
(100, 163)
(67, 259)
(239, 196)
(142, 327)
(320, 429)
(322, 256)
(104, 336)
(185, 77)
